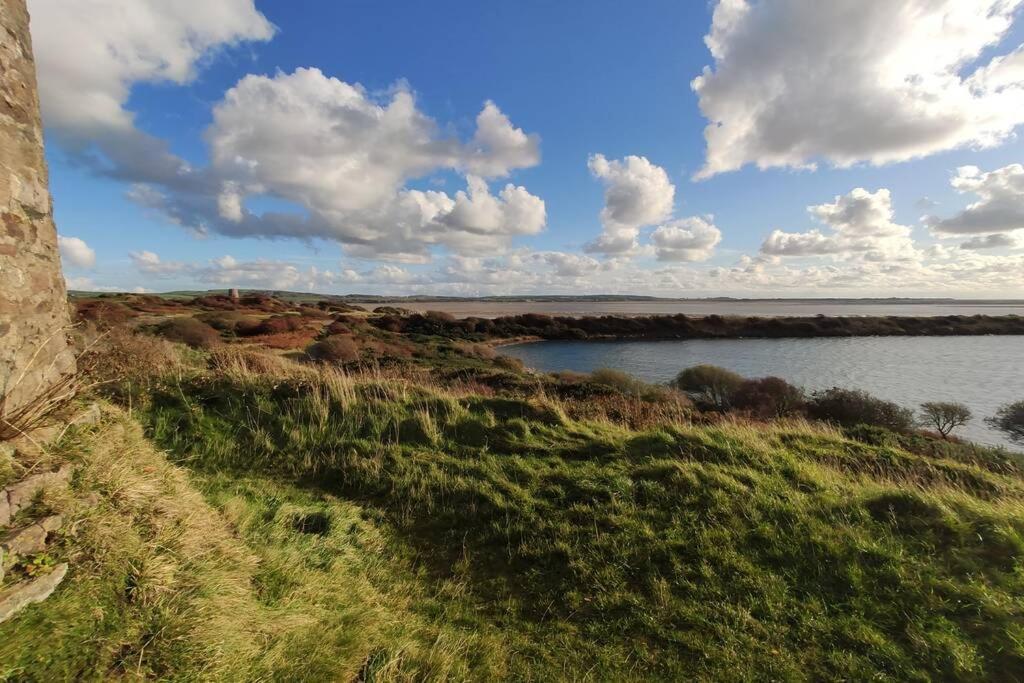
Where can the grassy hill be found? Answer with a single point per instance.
(451, 517)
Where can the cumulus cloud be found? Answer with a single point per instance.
(860, 224)
(342, 158)
(89, 54)
(75, 252)
(637, 194)
(849, 81)
(1000, 205)
(687, 239)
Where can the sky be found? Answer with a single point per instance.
(784, 148)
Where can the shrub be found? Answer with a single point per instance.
(104, 313)
(618, 380)
(769, 397)
(849, 407)
(336, 328)
(1010, 420)
(229, 322)
(709, 386)
(945, 417)
(278, 324)
(336, 349)
(187, 330)
(241, 362)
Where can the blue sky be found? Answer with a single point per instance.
(600, 77)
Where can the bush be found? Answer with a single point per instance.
(849, 407)
(1010, 420)
(710, 386)
(945, 417)
(618, 380)
(769, 397)
(194, 333)
(104, 313)
(336, 328)
(336, 349)
(277, 324)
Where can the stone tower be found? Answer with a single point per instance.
(33, 301)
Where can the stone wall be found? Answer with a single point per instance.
(33, 302)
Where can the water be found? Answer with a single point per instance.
(980, 372)
(741, 307)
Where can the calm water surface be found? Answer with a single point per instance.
(981, 372)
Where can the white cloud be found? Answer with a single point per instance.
(1000, 205)
(75, 252)
(860, 225)
(687, 239)
(89, 54)
(637, 194)
(342, 159)
(150, 263)
(849, 81)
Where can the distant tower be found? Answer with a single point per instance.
(235, 296)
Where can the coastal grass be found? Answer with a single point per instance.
(545, 547)
(177, 577)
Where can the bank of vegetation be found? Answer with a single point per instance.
(411, 506)
(695, 327)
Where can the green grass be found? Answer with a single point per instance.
(261, 579)
(729, 552)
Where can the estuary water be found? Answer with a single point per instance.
(980, 372)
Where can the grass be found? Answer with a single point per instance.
(733, 551)
(258, 580)
(442, 515)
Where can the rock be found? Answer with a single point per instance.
(21, 595)
(19, 496)
(31, 539)
(5, 509)
(27, 541)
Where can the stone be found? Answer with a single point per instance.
(5, 509)
(19, 496)
(34, 352)
(21, 595)
(24, 542)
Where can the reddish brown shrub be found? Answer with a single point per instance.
(336, 328)
(336, 349)
(188, 330)
(768, 397)
(104, 313)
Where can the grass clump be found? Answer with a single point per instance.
(677, 552)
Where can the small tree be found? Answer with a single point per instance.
(945, 417)
(1010, 420)
(709, 385)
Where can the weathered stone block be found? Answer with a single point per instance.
(21, 595)
(33, 346)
